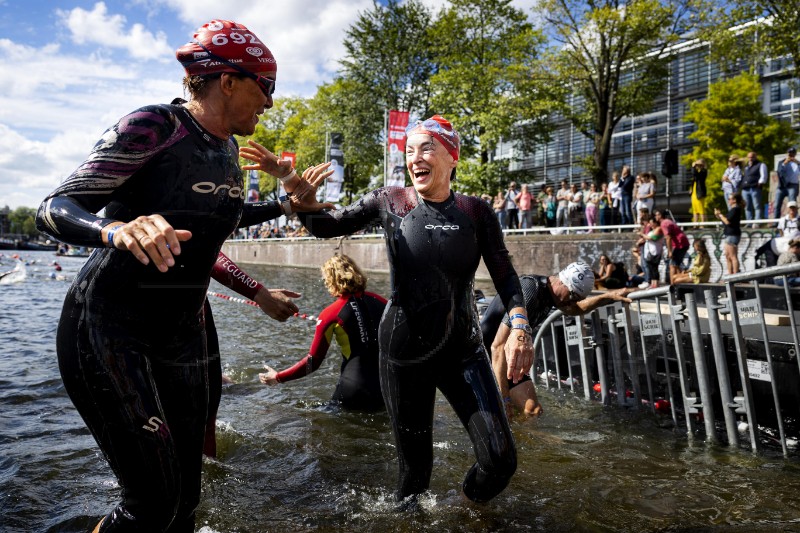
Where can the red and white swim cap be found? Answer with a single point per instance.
(439, 127)
(230, 41)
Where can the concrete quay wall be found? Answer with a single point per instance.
(529, 253)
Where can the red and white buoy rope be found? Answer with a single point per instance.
(254, 304)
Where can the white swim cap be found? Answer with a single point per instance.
(578, 278)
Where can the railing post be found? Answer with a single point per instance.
(616, 357)
(587, 391)
(544, 361)
(642, 335)
(633, 361)
(792, 321)
(700, 367)
(555, 358)
(667, 373)
(771, 369)
(688, 408)
(599, 355)
(744, 375)
(721, 362)
(569, 353)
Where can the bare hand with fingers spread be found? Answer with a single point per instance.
(302, 191)
(268, 377)
(266, 161)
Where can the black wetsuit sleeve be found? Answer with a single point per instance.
(496, 258)
(258, 212)
(68, 213)
(347, 220)
(76, 224)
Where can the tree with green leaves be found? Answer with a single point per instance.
(271, 132)
(22, 221)
(490, 84)
(614, 56)
(731, 121)
(389, 58)
(753, 31)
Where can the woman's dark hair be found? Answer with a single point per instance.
(701, 246)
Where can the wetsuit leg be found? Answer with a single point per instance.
(409, 392)
(473, 393)
(214, 382)
(142, 412)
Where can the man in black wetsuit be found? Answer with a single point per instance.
(131, 341)
(566, 291)
(430, 335)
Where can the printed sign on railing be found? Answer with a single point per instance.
(651, 326)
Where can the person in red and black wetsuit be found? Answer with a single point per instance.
(276, 303)
(131, 340)
(353, 321)
(430, 337)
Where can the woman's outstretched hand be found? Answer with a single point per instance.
(264, 160)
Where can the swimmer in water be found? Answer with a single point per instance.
(566, 291)
(353, 321)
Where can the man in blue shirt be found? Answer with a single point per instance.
(788, 173)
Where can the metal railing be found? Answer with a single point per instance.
(682, 341)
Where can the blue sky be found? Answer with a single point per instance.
(69, 69)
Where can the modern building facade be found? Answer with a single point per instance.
(640, 141)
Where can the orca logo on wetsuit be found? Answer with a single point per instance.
(209, 187)
(445, 227)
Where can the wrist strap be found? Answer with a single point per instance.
(110, 235)
(287, 177)
(519, 315)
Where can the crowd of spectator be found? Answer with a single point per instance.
(629, 198)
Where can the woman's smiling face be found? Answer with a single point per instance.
(430, 166)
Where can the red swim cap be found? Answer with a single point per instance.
(227, 40)
(439, 127)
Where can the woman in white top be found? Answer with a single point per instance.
(732, 178)
(615, 193)
(646, 193)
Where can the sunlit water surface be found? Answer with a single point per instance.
(289, 462)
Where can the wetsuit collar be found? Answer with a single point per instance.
(443, 203)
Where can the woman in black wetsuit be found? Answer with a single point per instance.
(131, 344)
(353, 321)
(430, 337)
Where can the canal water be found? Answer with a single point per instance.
(288, 462)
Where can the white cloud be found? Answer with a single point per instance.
(305, 36)
(98, 27)
(55, 105)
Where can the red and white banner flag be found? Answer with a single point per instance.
(396, 138)
(291, 156)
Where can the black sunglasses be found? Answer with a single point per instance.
(267, 85)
